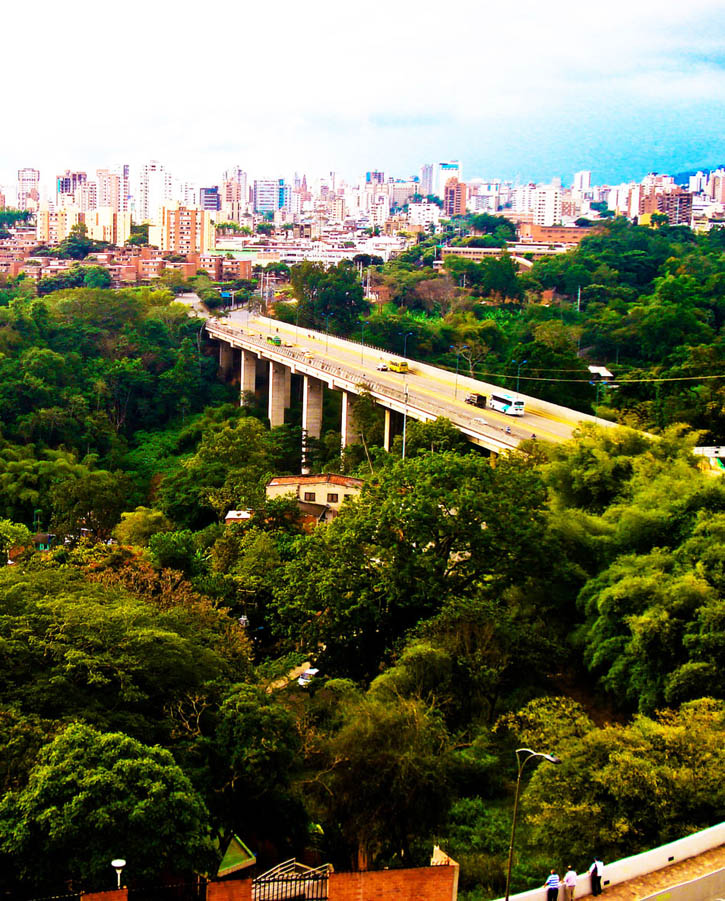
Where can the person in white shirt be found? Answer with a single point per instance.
(569, 884)
(595, 871)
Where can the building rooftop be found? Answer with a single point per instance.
(329, 478)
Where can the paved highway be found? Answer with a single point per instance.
(432, 390)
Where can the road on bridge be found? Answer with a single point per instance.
(429, 388)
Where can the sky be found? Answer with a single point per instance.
(528, 91)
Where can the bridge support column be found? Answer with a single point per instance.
(247, 377)
(276, 406)
(226, 358)
(388, 428)
(350, 432)
(312, 390)
(287, 388)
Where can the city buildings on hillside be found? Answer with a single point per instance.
(328, 219)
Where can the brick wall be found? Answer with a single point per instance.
(231, 890)
(421, 884)
(116, 895)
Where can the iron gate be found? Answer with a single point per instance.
(292, 881)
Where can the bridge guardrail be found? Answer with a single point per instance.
(415, 404)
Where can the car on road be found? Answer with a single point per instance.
(382, 366)
(477, 400)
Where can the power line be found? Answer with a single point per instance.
(533, 378)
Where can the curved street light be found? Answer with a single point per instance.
(518, 372)
(405, 342)
(528, 755)
(458, 360)
(363, 326)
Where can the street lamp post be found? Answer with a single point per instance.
(363, 326)
(405, 342)
(405, 419)
(118, 864)
(458, 359)
(528, 755)
(518, 372)
(326, 317)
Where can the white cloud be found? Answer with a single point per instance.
(320, 85)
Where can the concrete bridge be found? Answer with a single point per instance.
(247, 347)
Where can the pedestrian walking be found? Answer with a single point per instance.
(595, 871)
(569, 883)
(552, 886)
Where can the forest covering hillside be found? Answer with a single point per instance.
(569, 598)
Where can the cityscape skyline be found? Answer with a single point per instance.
(620, 91)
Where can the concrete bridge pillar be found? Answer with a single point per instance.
(248, 376)
(276, 407)
(312, 392)
(350, 432)
(387, 433)
(287, 388)
(226, 358)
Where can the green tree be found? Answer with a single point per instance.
(383, 777)
(423, 530)
(624, 789)
(137, 527)
(13, 534)
(93, 796)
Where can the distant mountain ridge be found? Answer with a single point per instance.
(682, 178)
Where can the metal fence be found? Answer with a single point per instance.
(68, 896)
(290, 881)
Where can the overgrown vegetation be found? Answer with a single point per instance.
(569, 599)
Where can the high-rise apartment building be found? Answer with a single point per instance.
(112, 226)
(374, 177)
(444, 171)
(697, 183)
(66, 185)
(454, 198)
(28, 189)
(547, 205)
(182, 230)
(52, 227)
(210, 199)
(85, 196)
(155, 189)
(716, 185)
(108, 189)
(582, 181)
(426, 179)
(268, 194)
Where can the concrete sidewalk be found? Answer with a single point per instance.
(667, 877)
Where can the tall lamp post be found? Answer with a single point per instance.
(405, 418)
(458, 359)
(405, 342)
(523, 756)
(363, 326)
(518, 372)
(326, 317)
